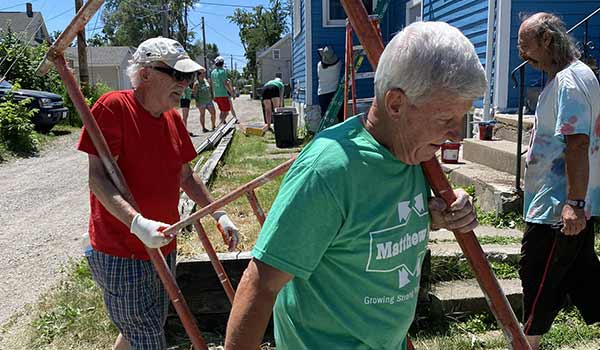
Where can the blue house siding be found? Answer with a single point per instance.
(469, 16)
(570, 12)
(299, 58)
(392, 22)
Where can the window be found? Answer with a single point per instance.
(276, 54)
(413, 11)
(334, 14)
(297, 18)
(279, 75)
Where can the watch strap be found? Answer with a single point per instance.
(577, 203)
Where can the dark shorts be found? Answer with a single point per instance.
(223, 103)
(554, 269)
(184, 103)
(134, 296)
(269, 92)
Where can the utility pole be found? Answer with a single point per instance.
(231, 65)
(84, 77)
(204, 46)
(164, 16)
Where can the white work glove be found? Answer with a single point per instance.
(150, 231)
(228, 228)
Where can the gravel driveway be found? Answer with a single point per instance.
(43, 211)
(44, 208)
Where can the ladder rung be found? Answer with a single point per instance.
(362, 100)
(364, 75)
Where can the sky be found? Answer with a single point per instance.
(58, 13)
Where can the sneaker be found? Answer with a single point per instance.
(204, 130)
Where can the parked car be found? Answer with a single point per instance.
(50, 107)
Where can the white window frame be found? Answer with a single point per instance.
(278, 54)
(297, 18)
(331, 23)
(409, 6)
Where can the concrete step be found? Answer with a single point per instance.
(506, 128)
(496, 154)
(494, 252)
(465, 296)
(494, 189)
(480, 231)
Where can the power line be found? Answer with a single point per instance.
(223, 36)
(227, 5)
(17, 5)
(30, 40)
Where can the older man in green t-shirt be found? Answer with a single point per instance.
(339, 257)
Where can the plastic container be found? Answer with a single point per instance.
(450, 152)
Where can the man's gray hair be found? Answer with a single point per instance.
(133, 72)
(427, 58)
(562, 47)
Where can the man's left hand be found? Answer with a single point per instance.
(228, 228)
(573, 219)
(460, 217)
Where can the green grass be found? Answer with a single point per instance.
(457, 268)
(480, 331)
(44, 141)
(247, 158)
(72, 316)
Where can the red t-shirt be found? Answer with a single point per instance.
(151, 153)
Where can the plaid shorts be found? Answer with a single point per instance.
(134, 296)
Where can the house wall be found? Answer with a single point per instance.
(391, 23)
(109, 75)
(268, 66)
(571, 12)
(299, 59)
(469, 16)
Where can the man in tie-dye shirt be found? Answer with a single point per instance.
(562, 181)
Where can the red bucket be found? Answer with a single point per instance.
(486, 131)
(450, 152)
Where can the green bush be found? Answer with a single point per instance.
(91, 94)
(16, 129)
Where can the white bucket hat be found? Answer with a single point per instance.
(167, 51)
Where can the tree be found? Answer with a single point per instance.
(196, 52)
(97, 40)
(260, 28)
(129, 22)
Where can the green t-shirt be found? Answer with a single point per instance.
(187, 93)
(350, 223)
(275, 82)
(219, 76)
(203, 92)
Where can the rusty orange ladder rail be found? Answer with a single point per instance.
(373, 45)
(55, 55)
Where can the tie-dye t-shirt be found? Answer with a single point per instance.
(569, 104)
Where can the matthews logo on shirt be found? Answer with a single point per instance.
(393, 248)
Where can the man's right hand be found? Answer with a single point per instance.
(150, 231)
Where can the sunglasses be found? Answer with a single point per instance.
(175, 74)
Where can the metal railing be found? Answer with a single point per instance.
(586, 47)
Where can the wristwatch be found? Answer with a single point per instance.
(577, 203)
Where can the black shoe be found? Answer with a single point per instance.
(191, 133)
(204, 130)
